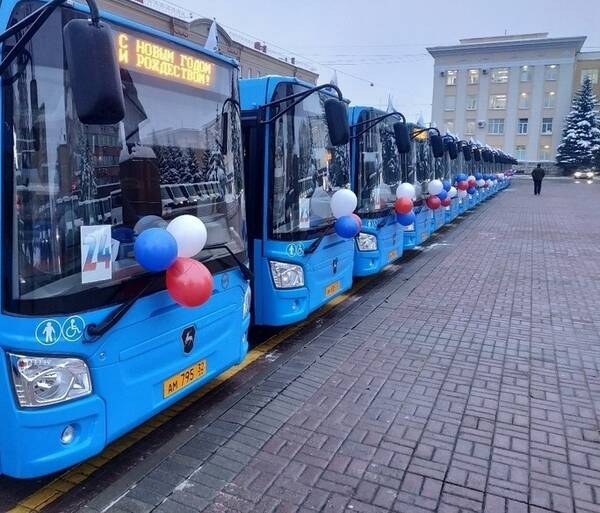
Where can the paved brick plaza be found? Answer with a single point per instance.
(468, 379)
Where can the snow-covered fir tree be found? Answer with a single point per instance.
(580, 144)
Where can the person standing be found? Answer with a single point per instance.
(538, 175)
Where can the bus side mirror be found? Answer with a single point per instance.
(452, 150)
(477, 155)
(336, 116)
(402, 136)
(467, 153)
(437, 145)
(225, 133)
(93, 72)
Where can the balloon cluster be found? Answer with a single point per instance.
(405, 196)
(440, 194)
(171, 249)
(347, 224)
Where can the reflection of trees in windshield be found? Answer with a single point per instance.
(305, 169)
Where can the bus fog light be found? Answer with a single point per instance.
(41, 380)
(366, 242)
(286, 275)
(68, 435)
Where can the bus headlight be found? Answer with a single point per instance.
(589, 174)
(366, 242)
(577, 174)
(247, 302)
(286, 275)
(44, 380)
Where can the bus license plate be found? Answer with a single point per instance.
(333, 288)
(392, 255)
(184, 378)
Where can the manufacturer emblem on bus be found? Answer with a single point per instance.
(334, 265)
(187, 337)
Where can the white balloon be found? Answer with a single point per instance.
(406, 190)
(480, 183)
(461, 194)
(190, 234)
(149, 221)
(470, 177)
(435, 187)
(452, 192)
(343, 203)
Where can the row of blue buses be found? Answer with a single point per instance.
(110, 128)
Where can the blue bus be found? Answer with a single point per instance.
(296, 157)
(426, 146)
(378, 142)
(91, 344)
(451, 161)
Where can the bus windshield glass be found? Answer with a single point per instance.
(79, 195)
(379, 165)
(305, 169)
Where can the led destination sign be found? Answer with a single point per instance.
(163, 61)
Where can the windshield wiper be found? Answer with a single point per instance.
(246, 273)
(313, 247)
(97, 330)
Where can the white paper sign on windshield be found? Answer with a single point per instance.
(96, 253)
(304, 213)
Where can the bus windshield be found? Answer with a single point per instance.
(379, 166)
(305, 169)
(165, 159)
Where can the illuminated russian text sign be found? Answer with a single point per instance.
(163, 61)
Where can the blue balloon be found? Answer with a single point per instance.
(346, 227)
(471, 190)
(442, 195)
(447, 185)
(461, 177)
(155, 249)
(478, 176)
(406, 219)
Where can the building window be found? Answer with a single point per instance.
(549, 100)
(525, 74)
(521, 152)
(451, 76)
(545, 153)
(497, 101)
(592, 74)
(449, 123)
(472, 102)
(496, 126)
(470, 127)
(546, 126)
(450, 103)
(522, 126)
(551, 72)
(473, 76)
(499, 75)
(524, 101)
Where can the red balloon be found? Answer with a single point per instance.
(446, 202)
(189, 282)
(433, 202)
(486, 184)
(462, 185)
(403, 205)
(358, 221)
(472, 183)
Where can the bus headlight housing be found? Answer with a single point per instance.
(286, 275)
(44, 380)
(247, 302)
(366, 242)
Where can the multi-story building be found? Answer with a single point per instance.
(255, 58)
(512, 92)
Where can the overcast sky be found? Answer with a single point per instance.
(383, 41)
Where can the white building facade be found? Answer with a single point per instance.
(511, 92)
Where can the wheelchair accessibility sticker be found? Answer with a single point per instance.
(73, 328)
(295, 249)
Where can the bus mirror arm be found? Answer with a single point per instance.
(246, 273)
(97, 330)
(34, 21)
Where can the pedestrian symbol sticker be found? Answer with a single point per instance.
(73, 328)
(48, 332)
